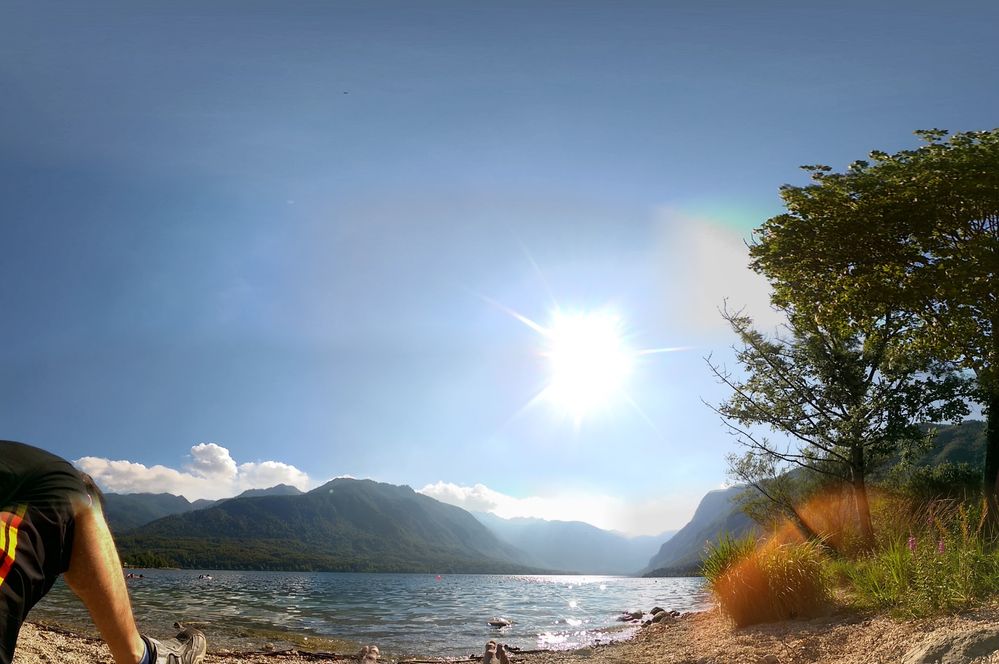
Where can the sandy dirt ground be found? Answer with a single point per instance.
(701, 638)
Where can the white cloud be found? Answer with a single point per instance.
(649, 516)
(211, 473)
(703, 264)
(269, 473)
(211, 461)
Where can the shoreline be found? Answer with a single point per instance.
(405, 615)
(841, 636)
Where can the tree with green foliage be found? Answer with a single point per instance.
(916, 232)
(840, 396)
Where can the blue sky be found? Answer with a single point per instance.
(245, 242)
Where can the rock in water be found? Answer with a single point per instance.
(630, 615)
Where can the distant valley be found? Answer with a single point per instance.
(574, 545)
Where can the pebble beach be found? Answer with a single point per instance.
(698, 638)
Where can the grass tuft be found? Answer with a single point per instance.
(768, 583)
(931, 557)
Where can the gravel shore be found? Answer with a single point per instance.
(702, 638)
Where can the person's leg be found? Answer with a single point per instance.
(95, 576)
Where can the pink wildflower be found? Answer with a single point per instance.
(940, 547)
(911, 543)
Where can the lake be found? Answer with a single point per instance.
(404, 614)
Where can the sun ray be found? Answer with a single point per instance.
(641, 413)
(530, 405)
(514, 314)
(668, 349)
(541, 275)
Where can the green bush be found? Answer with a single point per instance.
(928, 483)
(931, 558)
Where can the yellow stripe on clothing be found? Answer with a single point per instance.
(9, 523)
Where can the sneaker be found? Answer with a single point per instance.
(188, 647)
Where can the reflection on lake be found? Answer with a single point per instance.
(405, 614)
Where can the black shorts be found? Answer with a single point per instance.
(39, 494)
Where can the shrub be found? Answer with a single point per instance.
(927, 483)
(768, 583)
(931, 557)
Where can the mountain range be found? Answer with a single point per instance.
(344, 525)
(254, 529)
(361, 525)
(125, 511)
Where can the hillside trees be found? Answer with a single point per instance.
(841, 396)
(916, 232)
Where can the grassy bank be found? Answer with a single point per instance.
(929, 557)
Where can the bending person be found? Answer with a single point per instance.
(52, 523)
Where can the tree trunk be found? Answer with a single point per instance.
(990, 481)
(857, 468)
(808, 533)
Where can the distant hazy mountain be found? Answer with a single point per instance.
(716, 514)
(961, 443)
(573, 545)
(344, 525)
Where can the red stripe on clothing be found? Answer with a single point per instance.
(11, 522)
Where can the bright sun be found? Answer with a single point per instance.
(589, 361)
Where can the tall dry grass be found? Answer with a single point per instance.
(766, 583)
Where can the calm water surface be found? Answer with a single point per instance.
(405, 614)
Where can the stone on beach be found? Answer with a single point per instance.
(369, 654)
(954, 648)
(842, 637)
